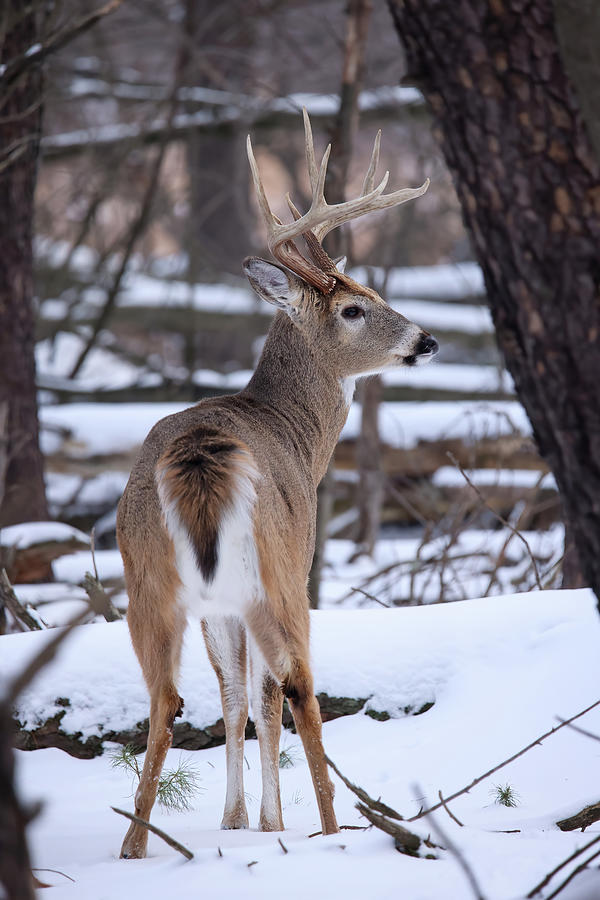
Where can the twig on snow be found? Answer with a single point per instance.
(573, 874)
(364, 797)
(158, 831)
(449, 811)
(453, 849)
(480, 778)
(560, 866)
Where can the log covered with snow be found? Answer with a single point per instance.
(27, 550)
(386, 663)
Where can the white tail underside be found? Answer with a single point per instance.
(236, 583)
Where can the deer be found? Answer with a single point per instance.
(217, 520)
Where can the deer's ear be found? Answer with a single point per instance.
(340, 264)
(274, 284)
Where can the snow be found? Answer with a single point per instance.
(109, 428)
(69, 490)
(442, 316)
(448, 280)
(405, 424)
(500, 670)
(450, 476)
(30, 533)
(452, 377)
(102, 369)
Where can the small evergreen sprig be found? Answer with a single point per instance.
(288, 757)
(176, 787)
(505, 795)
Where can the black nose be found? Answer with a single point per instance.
(427, 344)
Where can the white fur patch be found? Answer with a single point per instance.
(423, 358)
(236, 583)
(348, 385)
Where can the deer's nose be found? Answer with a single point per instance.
(427, 344)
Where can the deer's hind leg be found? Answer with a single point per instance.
(156, 625)
(284, 645)
(225, 639)
(267, 703)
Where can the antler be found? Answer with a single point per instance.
(322, 217)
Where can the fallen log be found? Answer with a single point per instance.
(186, 736)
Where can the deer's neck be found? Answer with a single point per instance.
(305, 397)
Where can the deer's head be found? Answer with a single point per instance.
(355, 330)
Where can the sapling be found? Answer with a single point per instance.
(288, 757)
(505, 795)
(176, 787)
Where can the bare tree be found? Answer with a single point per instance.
(26, 39)
(23, 496)
(344, 131)
(514, 138)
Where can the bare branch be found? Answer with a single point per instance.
(501, 518)
(560, 866)
(97, 596)
(24, 619)
(573, 874)
(449, 811)
(362, 795)
(480, 778)
(405, 840)
(46, 655)
(453, 849)
(38, 52)
(158, 831)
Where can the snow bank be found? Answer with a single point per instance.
(395, 659)
(500, 671)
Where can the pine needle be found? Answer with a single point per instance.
(176, 787)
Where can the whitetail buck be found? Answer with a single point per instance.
(218, 518)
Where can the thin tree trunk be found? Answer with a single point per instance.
(16, 881)
(22, 495)
(368, 460)
(357, 23)
(529, 184)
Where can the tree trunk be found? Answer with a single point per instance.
(368, 463)
(528, 182)
(16, 881)
(358, 13)
(22, 495)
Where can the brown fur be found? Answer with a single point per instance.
(196, 472)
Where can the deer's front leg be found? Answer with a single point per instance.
(226, 646)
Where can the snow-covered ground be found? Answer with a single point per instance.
(499, 671)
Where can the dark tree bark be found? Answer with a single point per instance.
(525, 172)
(22, 495)
(16, 881)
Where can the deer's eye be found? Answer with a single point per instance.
(352, 312)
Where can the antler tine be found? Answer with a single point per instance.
(309, 147)
(258, 187)
(370, 176)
